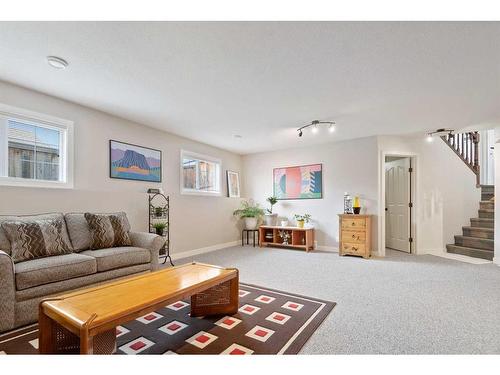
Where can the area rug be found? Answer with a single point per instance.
(268, 322)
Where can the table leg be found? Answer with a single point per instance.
(86, 342)
(242, 234)
(248, 242)
(46, 339)
(253, 238)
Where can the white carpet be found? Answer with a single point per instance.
(401, 304)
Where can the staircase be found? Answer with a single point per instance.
(477, 239)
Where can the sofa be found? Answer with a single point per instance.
(24, 284)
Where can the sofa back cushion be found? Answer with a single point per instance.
(36, 238)
(79, 230)
(4, 240)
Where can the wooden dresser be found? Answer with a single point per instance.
(355, 235)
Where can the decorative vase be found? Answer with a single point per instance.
(270, 219)
(356, 210)
(300, 223)
(250, 223)
(159, 231)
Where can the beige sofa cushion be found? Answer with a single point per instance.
(79, 230)
(4, 241)
(52, 269)
(117, 257)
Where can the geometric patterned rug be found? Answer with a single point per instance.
(268, 322)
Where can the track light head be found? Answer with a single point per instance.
(300, 133)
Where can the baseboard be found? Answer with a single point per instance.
(203, 250)
(432, 252)
(333, 249)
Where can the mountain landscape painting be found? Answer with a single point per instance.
(132, 162)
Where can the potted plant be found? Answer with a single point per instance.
(159, 228)
(250, 212)
(301, 219)
(270, 218)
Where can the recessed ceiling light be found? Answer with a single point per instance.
(237, 136)
(57, 62)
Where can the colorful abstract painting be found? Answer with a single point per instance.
(132, 162)
(301, 182)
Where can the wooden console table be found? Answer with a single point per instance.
(300, 238)
(85, 321)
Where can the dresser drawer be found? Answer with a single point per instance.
(354, 236)
(353, 248)
(354, 223)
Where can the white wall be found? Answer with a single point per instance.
(496, 258)
(197, 221)
(347, 166)
(446, 194)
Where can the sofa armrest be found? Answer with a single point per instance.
(7, 292)
(149, 241)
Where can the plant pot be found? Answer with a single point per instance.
(270, 219)
(356, 210)
(250, 223)
(300, 223)
(159, 232)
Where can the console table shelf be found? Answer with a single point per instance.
(299, 238)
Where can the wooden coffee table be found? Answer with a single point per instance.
(85, 321)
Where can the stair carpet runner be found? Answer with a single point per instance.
(477, 239)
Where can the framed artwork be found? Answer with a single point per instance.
(233, 184)
(132, 162)
(300, 182)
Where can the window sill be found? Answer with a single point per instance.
(201, 193)
(23, 182)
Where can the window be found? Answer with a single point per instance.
(34, 149)
(200, 174)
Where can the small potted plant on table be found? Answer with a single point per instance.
(159, 228)
(270, 218)
(250, 212)
(301, 219)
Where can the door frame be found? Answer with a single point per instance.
(414, 162)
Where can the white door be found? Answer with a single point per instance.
(397, 199)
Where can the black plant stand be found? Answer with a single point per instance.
(155, 201)
(248, 231)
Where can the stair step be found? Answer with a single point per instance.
(481, 222)
(478, 232)
(487, 205)
(477, 243)
(487, 187)
(469, 251)
(486, 196)
(486, 214)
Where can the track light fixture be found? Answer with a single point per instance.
(316, 125)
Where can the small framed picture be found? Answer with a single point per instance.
(233, 184)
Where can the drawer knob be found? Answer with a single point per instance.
(353, 236)
(355, 248)
(353, 223)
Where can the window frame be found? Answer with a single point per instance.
(200, 157)
(65, 127)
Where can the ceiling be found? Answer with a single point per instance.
(209, 81)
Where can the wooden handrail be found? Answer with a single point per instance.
(466, 146)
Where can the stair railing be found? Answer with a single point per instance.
(466, 146)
